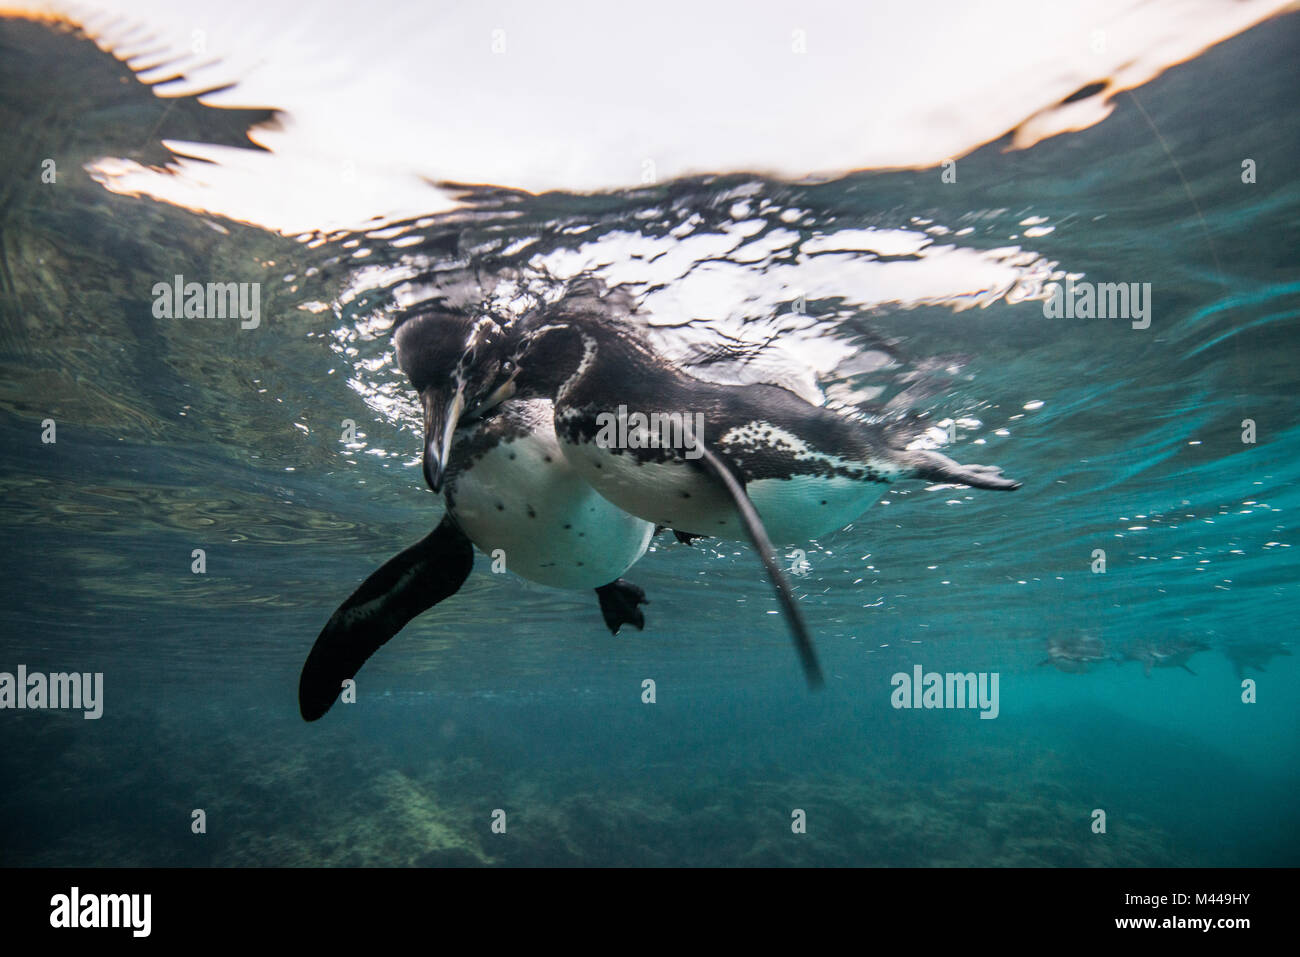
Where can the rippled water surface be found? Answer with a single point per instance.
(873, 288)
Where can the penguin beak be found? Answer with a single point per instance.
(501, 393)
(440, 417)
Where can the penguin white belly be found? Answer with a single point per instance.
(521, 496)
(678, 495)
(804, 507)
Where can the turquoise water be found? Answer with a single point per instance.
(175, 435)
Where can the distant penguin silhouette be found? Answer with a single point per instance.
(1164, 653)
(1075, 654)
(1251, 655)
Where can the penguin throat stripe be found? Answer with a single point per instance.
(588, 357)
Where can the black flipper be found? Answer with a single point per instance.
(939, 468)
(410, 582)
(1187, 669)
(758, 535)
(618, 603)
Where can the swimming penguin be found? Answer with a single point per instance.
(1164, 653)
(1253, 655)
(755, 460)
(1075, 654)
(508, 489)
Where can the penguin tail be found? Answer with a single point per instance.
(935, 467)
(410, 582)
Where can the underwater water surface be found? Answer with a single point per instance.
(1171, 446)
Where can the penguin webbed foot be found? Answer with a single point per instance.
(935, 467)
(686, 538)
(618, 604)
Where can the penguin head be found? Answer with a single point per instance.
(460, 367)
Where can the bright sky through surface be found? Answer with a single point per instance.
(382, 99)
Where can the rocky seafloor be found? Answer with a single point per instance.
(124, 796)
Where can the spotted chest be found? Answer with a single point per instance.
(520, 501)
(800, 494)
